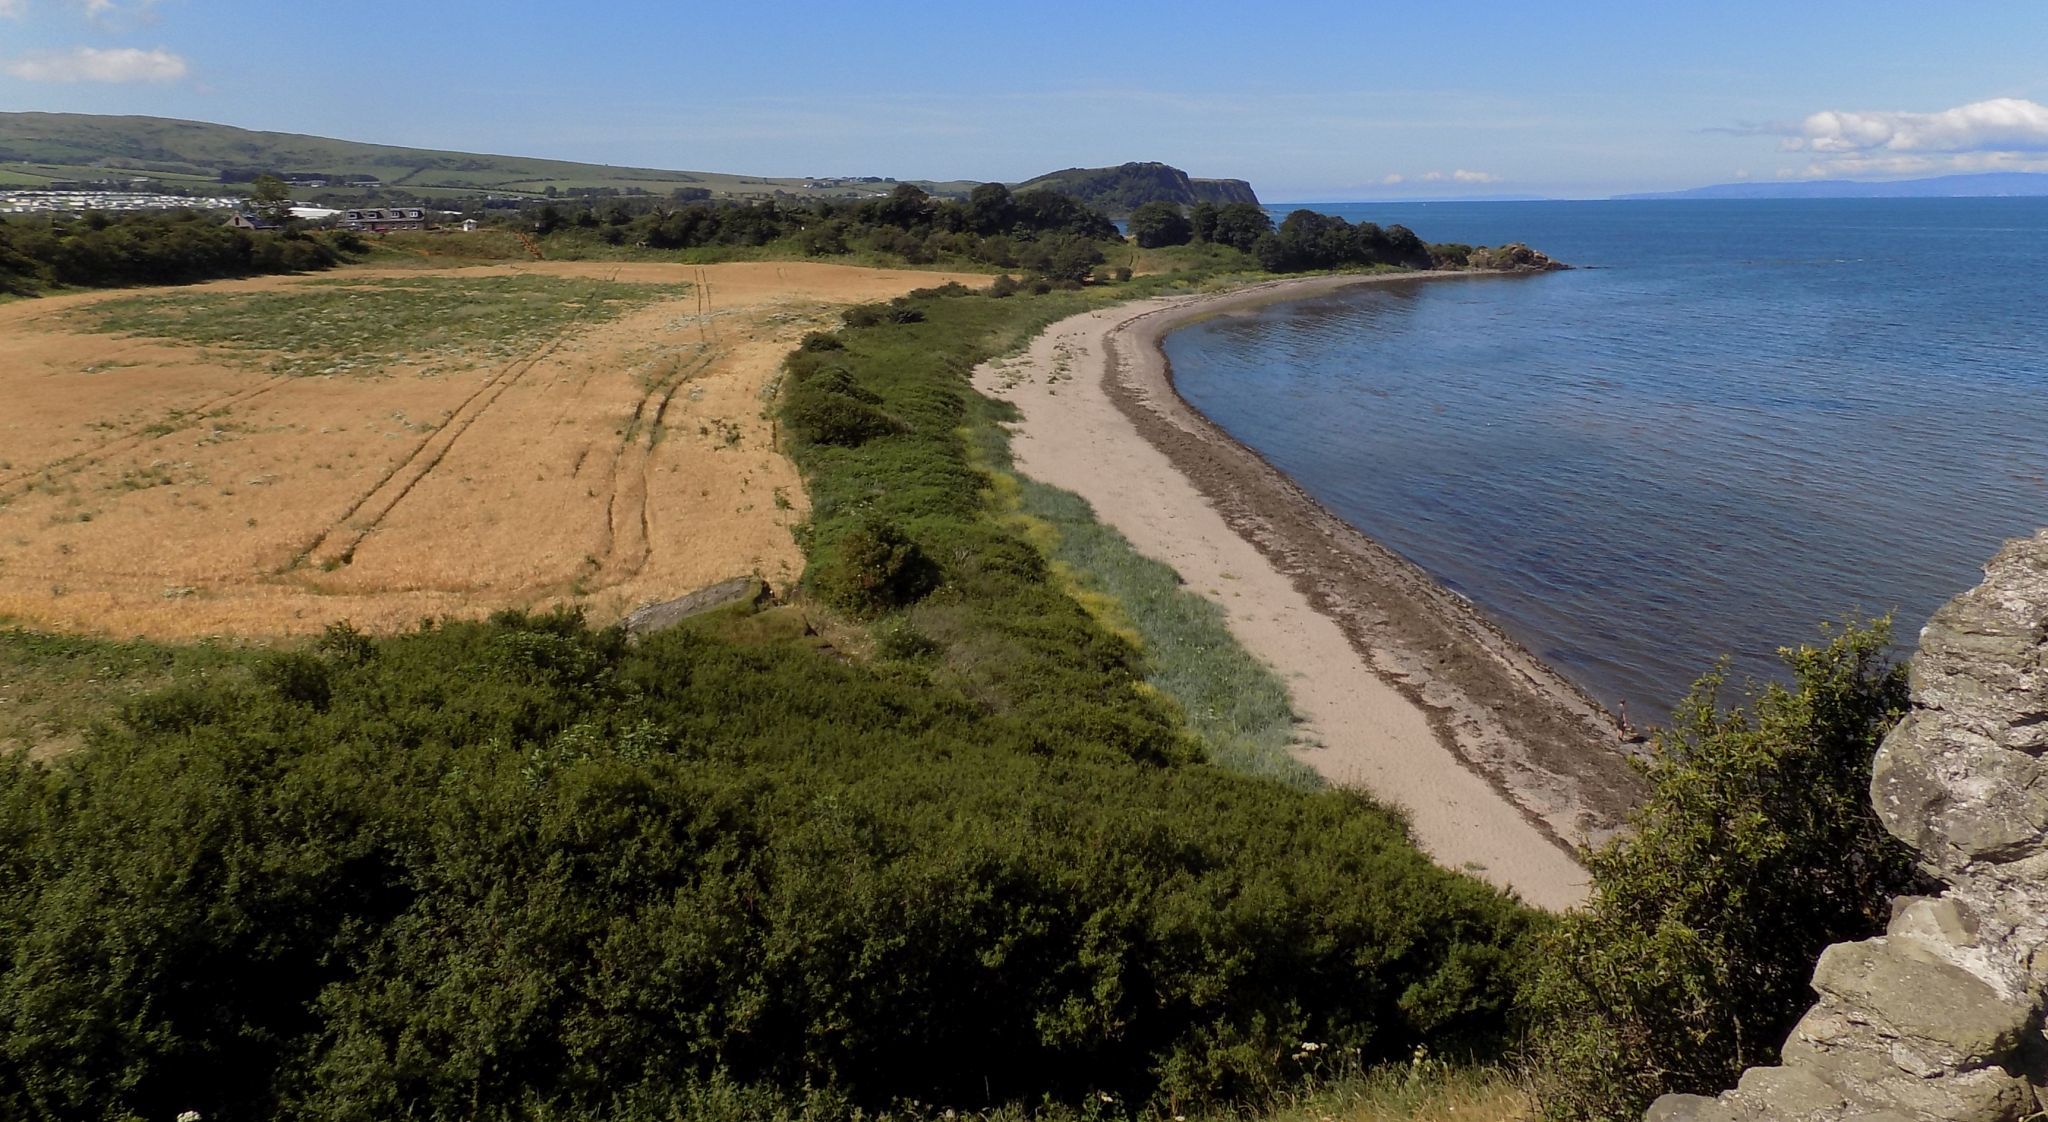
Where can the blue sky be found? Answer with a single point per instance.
(1308, 100)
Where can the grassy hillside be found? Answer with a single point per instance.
(37, 148)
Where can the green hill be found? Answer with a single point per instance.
(1120, 190)
(41, 148)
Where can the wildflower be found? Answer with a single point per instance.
(188, 1116)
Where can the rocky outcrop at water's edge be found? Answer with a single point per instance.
(1940, 1018)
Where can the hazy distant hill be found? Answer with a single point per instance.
(1120, 190)
(1982, 184)
(38, 148)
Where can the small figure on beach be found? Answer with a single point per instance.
(1627, 731)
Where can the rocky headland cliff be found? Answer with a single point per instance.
(1940, 1018)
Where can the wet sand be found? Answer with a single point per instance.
(1406, 690)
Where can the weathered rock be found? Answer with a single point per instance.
(662, 616)
(1940, 1019)
(1917, 996)
(1694, 1108)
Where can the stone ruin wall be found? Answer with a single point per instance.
(1940, 1018)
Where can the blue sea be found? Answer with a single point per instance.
(1734, 421)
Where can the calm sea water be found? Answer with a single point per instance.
(1737, 420)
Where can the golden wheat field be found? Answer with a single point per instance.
(266, 457)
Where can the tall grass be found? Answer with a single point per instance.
(1233, 702)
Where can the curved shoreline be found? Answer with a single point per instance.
(1500, 762)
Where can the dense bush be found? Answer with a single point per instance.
(1161, 224)
(110, 249)
(20, 274)
(1757, 849)
(522, 869)
(874, 566)
(869, 315)
(1450, 255)
(821, 411)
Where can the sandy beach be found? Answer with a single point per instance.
(1404, 688)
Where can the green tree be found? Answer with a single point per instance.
(1757, 848)
(1241, 225)
(1065, 259)
(989, 209)
(20, 274)
(1203, 219)
(273, 198)
(1159, 224)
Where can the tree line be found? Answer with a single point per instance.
(1040, 231)
(1304, 241)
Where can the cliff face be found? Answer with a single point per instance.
(1120, 190)
(1224, 191)
(1940, 1018)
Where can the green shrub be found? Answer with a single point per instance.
(816, 341)
(874, 315)
(875, 566)
(901, 640)
(1450, 255)
(1157, 224)
(818, 414)
(1756, 849)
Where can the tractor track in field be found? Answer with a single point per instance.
(394, 485)
(625, 547)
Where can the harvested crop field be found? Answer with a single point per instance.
(266, 457)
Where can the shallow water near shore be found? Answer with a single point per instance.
(1736, 420)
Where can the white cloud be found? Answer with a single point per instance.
(112, 12)
(2000, 134)
(2004, 124)
(91, 64)
(1393, 178)
(1461, 175)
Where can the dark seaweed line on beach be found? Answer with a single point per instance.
(1538, 738)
